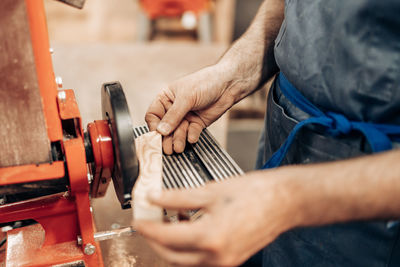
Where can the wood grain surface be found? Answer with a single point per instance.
(149, 153)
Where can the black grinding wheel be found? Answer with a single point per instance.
(126, 166)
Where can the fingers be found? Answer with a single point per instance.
(196, 126)
(184, 235)
(157, 110)
(167, 117)
(152, 121)
(179, 138)
(177, 141)
(183, 199)
(167, 144)
(174, 116)
(194, 132)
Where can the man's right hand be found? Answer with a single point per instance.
(188, 105)
(181, 111)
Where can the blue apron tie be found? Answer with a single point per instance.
(336, 124)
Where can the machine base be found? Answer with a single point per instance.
(24, 248)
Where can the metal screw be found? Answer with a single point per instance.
(90, 177)
(106, 235)
(59, 81)
(51, 50)
(62, 96)
(89, 249)
(6, 228)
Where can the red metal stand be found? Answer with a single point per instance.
(61, 217)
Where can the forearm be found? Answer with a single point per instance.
(250, 61)
(357, 189)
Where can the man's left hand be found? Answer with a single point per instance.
(240, 217)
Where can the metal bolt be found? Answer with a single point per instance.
(62, 96)
(59, 81)
(90, 177)
(89, 249)
(106, 235)
(51, 50)
(6, 228)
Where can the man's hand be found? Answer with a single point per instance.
(245, 214)
(190, 104)
(240, 217)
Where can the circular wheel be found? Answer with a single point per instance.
(126, 168)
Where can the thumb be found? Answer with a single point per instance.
(182, 199)
(173, 116)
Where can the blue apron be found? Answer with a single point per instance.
(378, 136)
(297, 132)
(344, 57)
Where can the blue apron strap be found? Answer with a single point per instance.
(279, 155)
(335, 124)
(296, 98)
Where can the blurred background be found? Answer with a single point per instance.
(146, 44)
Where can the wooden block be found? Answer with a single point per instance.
(149, 153)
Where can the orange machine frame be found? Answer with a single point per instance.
(62, 216)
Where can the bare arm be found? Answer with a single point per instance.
(356, 189)
(251, 58)
(181, 111)
(245, 214)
